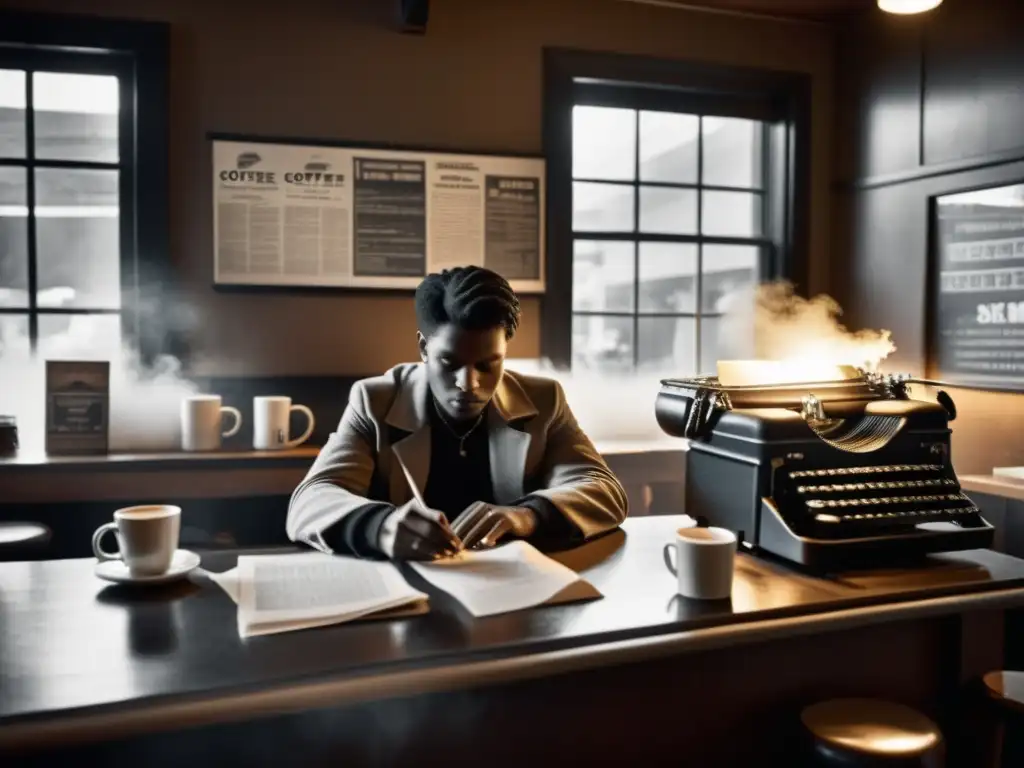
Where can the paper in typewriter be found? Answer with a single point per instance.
(507, 578)
(279, 593)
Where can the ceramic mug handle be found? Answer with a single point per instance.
(237, 415)
(101, 554)
(668, 558)
(309, 427)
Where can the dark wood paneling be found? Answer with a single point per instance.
(879, 78)
(974, 73)
(888, 268)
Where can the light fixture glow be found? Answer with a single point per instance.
(907, 7)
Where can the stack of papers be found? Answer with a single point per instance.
(508, 578)
(278, 593)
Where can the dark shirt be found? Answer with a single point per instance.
(453, 483)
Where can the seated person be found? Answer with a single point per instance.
(498, 453)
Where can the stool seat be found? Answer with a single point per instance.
(872, 732)
(1006, 689)
(20, 540)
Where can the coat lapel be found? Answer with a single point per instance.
(408, 413)
(508, 446)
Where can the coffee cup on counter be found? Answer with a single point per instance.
(202, 418)
(704, 562)
(271, 416)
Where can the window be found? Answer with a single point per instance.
(60, 207)
(668, 223)
(73, 217)
(673, 191)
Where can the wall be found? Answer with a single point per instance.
(927, 105)
(339, 69)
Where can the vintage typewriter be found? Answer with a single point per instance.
(848, 472)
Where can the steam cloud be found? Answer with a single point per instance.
(777, 324)
(766, 322)
(144, 399)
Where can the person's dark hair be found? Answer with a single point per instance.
(473, 298)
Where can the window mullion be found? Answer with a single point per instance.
(699, 280)
(30, 220)
(636, 241)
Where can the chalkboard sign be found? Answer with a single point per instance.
(977, 312)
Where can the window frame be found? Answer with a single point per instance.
(138, 53)
(780, 100)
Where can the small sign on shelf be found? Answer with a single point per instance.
(77, 407)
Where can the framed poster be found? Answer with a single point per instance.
(351, 217)
(977, 304)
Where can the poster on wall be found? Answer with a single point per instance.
(978, 312)
(296, 215)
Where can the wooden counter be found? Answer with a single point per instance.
(161, 677)
(994, 485)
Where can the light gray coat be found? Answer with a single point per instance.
(536, 447)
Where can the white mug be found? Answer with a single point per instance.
(270, 417)
(202, 420)
(147, 538)
(704, 562)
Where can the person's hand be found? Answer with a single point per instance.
(416, 532)
(482, 525)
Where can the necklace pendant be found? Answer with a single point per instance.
(462, 452)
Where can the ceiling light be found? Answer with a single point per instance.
(907, 7)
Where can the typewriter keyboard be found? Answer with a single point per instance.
(852, 501)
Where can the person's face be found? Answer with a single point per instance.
(463, 367)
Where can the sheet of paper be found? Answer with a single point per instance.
(507, 578)
(277, 593)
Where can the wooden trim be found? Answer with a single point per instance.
(162, 461)
(993, 160)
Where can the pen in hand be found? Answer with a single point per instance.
(437, 517)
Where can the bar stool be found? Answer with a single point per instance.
(863, 733)
(23, 541)
(1006, 693)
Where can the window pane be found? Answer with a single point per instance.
(730, 273)
(602, 343)
(602, 207)
(668, 277)
(602, 276)
(668, 147)
(79, 337)
(13, 238)
(731, 214)
(78, 239)
(726, 337)
(668, 211)
(13, 335)
(713, 345)
(76, 116)
(667, 344)
(12, 113)
(603, 143)
(732, 153)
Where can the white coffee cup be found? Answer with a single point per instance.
(147, 538)
(704, 562)
(270, 419)
(202, 418)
